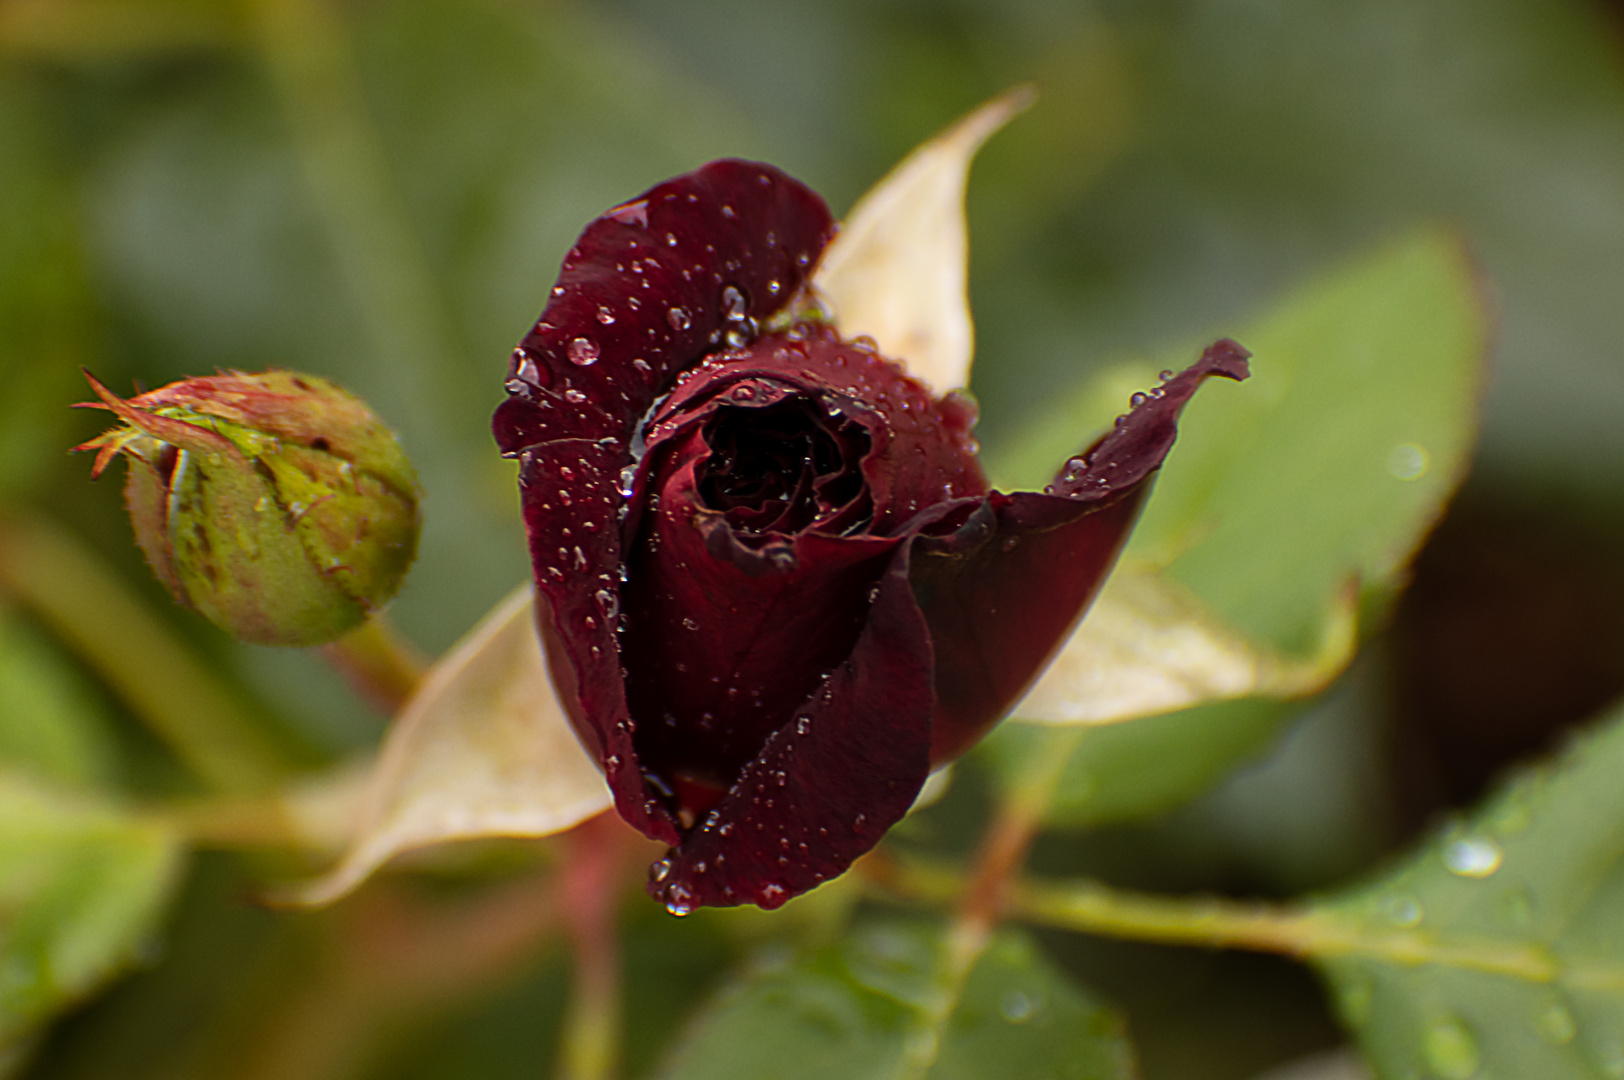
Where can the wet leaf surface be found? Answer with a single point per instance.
(859, 1009)
(1497, 949)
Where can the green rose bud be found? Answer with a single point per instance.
(277, 505)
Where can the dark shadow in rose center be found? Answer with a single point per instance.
(784, 468)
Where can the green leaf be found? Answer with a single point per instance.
(1497, 950)
(860, 1010)
(1326, 467)
(81, 886)
(51, 725)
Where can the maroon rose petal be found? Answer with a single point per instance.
(772, 584)
(1003, 592)
(646, 292)
(828, 784)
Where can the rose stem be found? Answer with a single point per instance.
(1003, 849)
(588, 887)
(381, 664)
(166, 686)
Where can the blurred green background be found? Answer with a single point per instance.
(381, 192)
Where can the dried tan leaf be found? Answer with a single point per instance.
(1149, 647)
(897, 271)
(482, 749)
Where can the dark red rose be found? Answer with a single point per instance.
(773, 585)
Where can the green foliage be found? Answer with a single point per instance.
(872, 1007)
(51, 724)
(81, 888)
(1497, 949)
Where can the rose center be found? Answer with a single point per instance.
(784, 467)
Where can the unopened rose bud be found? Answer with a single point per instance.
(277, 505)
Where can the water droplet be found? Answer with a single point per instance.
(679, 901)
(1555, 1022)
(772, 895)
(660, 871)
(1138, 399)
(1408, 461)
(727, 212)
(1450, 1048)
(583, 351)
(670, 239)
(726, 829)
(744, 393)
(1404, 911)
(678, 318)
(608, 604)
(642, 367)
(1354, 999)
(689, 623)
(613, 761)
(734, 306)
(606, 316)
(1517, 907)
(1165, 374)
(803, 725)
(859, 822)
(1473, 857)
(1018, 1007)
(574, 396)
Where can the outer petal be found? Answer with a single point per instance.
(648, 289)
(1002, 592)
(897, 272)
(827, 785)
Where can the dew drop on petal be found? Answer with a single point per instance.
(605, 316)
(583, 351)
(574, 396)
(660, 871)
(678, 318)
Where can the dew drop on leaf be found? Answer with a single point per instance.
(1404, 911)
(1555, 1022)
(1450, 1048)
(1473, 857)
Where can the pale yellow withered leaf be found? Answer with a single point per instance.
(482, 749)
(1149, 647)
(897, 271)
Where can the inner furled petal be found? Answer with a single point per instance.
(784, 467)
